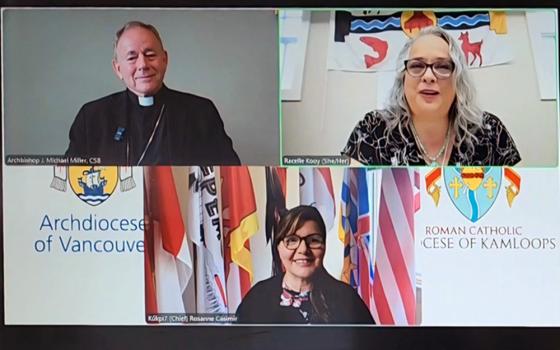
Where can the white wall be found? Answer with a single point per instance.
(333, 102)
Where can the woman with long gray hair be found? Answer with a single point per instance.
(432, 117)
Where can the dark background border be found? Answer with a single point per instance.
(285, 3)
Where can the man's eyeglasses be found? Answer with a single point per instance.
(314, 241)
(441, 69)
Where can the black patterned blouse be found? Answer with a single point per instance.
(368, 145)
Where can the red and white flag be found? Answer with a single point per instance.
(167, 259)
(394, 284)
(316, 189)
(203, 219)
(240, 223)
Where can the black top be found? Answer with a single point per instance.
(262, 304)
(190, 131)
(369, 145)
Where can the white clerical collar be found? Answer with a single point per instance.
(146, 101)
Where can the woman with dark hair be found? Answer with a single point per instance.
(305, 292)
(432, 117)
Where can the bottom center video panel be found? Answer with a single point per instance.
(433, 246)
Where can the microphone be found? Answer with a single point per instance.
(119, 134)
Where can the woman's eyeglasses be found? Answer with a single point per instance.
(314, 241)
(441, 69)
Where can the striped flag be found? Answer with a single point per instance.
(355, 232)
(168, 261)
(203, 219)
(395, 280)
(316, 189)
(239, 212)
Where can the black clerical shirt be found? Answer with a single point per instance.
(190, 131)
(143, 123)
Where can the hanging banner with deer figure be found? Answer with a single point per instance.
(364, 41)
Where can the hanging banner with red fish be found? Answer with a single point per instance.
(362, 42)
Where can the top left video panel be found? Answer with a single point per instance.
(140, 87)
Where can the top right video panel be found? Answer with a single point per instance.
(403, 87)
